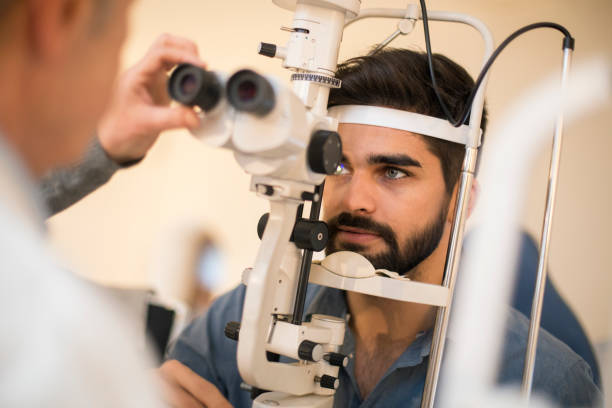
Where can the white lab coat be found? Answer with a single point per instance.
(62, 344)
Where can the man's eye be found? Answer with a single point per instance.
(340, 170)
(395, 173)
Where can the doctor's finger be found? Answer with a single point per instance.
(173, 41)
(177, 397)
(204, 391)
(165, 118)
(173, 394)
(164, 58)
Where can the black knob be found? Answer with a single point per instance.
(310, 351)
(310, 235)
(267, 49)
(232, 330)
(324, 152)
(327, 381)
(192, 86)
(261, 225)
(336, 359)
(248, 91)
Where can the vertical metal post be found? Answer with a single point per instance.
(538, 297)
(450, 275)
(304, 275)
(461, 209)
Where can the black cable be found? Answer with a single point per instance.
(568, 42)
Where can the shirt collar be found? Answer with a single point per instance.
(327, 301)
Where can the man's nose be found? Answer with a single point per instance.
(359, 195)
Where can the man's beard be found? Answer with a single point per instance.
(414, 251)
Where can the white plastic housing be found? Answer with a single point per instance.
(342, 275)
(282, 399)
(317, 49)
(276, 145)
(216, 126)
(257, 325)
(282, 132)
(327, 331)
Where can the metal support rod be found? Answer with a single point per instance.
(450, 275)
(385, 42)
(538, 297)
(456, 239)
(467, 177)
(304, 276)
(461, 209)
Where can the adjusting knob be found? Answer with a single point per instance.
(310, 351)
(324, 152)
(232, 330)
(261, 224)
(327, 381)
(336, 359)
(310, 235)
(267, 49)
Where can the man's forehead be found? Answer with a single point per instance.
(378, 135)
(402, 120)
(370, 144)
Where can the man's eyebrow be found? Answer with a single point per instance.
(394, 159)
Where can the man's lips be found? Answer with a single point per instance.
(356, 235)
(356, 230)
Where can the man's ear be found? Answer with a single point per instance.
(54, 26)
(471, 204)
(473, 197)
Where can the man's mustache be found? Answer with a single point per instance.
(348, 220)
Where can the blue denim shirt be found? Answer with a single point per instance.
(560, 374)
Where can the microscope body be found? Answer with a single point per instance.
(284, 139)
(277, 149)
(288, 146)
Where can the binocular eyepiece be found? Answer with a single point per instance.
(192, 86)
(246, 90)
(250, 92)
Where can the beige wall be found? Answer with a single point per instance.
(115, 234)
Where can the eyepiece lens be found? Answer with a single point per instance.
(247, 90)
(250, 92)
(189, 84)
(193, 86)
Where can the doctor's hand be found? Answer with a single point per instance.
(185, 389)
(140, 106)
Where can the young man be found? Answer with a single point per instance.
(392, 201)
(63, 344)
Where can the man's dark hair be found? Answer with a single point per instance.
(400, 79)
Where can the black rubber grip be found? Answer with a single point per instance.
(232, 330)
(327, 381)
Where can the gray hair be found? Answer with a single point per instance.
(5, 6)
(101, 12)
